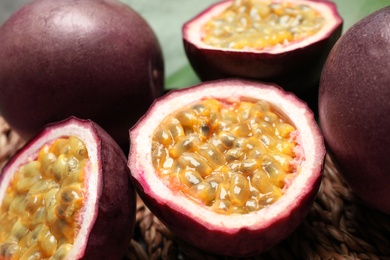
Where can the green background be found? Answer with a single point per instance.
(166, 17)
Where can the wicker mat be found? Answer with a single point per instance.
(338, 226)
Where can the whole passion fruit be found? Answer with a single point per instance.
(94, 59)
(285, 42)
(230, 166)
(67, 194)
(354, 105)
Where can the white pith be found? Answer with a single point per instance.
(309, 139)
(88, 213)
(192, 30)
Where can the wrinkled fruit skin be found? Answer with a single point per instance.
(115, 212)
(354, 107)
(297, 70)
(94, 59)
(239, 235)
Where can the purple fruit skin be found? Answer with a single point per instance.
(95, 59)
(235, 245)
(114, 225)
(296, 70)
(354, 106)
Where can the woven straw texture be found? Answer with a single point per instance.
(338, 225)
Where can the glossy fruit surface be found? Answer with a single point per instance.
(67, 194)
(90, 59)
(354, 104)
(212, 224)
(293, 64)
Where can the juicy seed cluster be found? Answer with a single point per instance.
(257, 24)
(235, 157)
(39, 211)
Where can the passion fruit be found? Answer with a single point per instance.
(95, 59)
(230, 166)
(285, 42)
(67, 194)
(354, 107)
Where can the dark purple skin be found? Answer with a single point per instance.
(297, 70)
(95, 59)
(114, 225)
(354, 106)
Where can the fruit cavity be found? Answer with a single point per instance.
(261, 24)
(40, 209)
(234, 157)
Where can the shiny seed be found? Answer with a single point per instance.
(227, 138)
(68, 194)
(77, 148)
(43, 186)
(46, 241)
(215, 179)
(221, 206)
(234, 154)
(196, 162)
(274, 171)
(47, 166)
(212, 155)
(62, 251)
(239, 190)
(204, 192)
(10, 250)
(34, 202)
(159, 155)
(216, 142)
(204, 130)
(38, 217)
(175, 129)
(242, 129)
(187, 118)
(186, 144)
(273, 195)
(61, 229)
(14, 207)
(252, 143)
(31, 169)
(248, 166)
(25, 184)
(73, 177)
(252, 205)
(260, 181)
(229, 116)
(61, 146)
(18, 230)
(73, 164)
(190, 177)
(33, 253)
(223, 191)
(164, 137)
(61, 168)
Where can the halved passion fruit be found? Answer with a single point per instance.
(67, 194)
(285, 42)
(230, 166)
